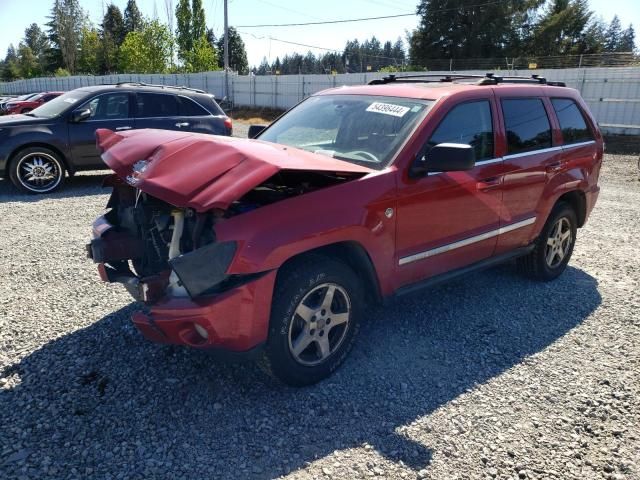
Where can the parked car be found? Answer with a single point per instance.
(37, 148)
(6, 100)
(355, 195)
(24, 106)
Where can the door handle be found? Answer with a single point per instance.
(489, 183)
(554, 167)
(123, 128)
(182, 124)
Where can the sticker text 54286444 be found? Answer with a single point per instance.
(388, 109)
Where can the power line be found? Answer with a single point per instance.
(326, 22)
(413, 14)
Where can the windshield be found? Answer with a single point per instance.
(56, 106)
(363, 129)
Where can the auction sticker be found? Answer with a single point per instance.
(388, 109)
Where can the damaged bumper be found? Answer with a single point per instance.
(217, 311)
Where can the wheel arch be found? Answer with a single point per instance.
(577, 200)
(12, 156)
(354, 255)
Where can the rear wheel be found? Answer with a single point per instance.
(314, 320)
(554, 246)
(37, 170)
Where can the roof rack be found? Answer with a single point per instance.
(142, 84)
(486, 79)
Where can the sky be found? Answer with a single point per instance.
(16, 15)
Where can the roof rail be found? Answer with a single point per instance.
(486, 79)
(142, 84)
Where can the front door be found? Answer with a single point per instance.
(108, 110)
(451, 219)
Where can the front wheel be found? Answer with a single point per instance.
(37, 170)
(554, 246)
(314, 319)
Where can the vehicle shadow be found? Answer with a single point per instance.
(107, 400)
(79, 185)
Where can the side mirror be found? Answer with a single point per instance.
(255, 130)
(80, 115)
(444, 157)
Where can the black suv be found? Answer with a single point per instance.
(38, 147)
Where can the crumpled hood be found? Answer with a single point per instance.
(204, 171)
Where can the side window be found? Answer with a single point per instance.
(111, 106)
(157, 105)
(189, 108)
(527, 125)
(469, 123)
(574, 128)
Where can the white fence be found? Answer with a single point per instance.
(613, 94)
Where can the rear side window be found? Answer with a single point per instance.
(527, 125)
(189, 108)
(469, 123)
(572, 123)
(157, 105)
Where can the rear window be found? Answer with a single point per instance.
(157, 105)
(527, 125)
(189, 108)
(572, 123)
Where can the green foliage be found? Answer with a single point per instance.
(11, 69)
(65, 26)
(148, 50)
(61, 72)
(89, 57)
(237, 53)
(27, 62)
(198, 22)
(184, 37)
(133, 20)
(561, 30)
(202, 58)
(112, 35)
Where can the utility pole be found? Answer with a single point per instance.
(226, 51)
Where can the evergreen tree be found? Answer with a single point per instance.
(613, 35)
(112, 35)
(37, 41)
(628, 40)
(65, 26)
(11, 70)
(133, 21)
(562, 29)
(211, 38)
(237, 53)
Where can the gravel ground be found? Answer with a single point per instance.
(493, 376)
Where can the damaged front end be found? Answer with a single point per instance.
(158, 237)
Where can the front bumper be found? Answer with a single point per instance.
(234, 320)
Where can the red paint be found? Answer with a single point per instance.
(22, 105)
(204, 172)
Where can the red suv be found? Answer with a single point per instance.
(277, 244)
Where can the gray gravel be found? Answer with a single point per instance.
(493, 376)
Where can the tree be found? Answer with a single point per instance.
(202, 58)
(237, 53)
(27, 62)
(11, 70)
(613, 35)
(468, 29)
(133, 21)
(184, 39)
(594, 36)
(628, 40)
(65, 26)
(562, 28)
(198, 22)
(89, 56)
(112, 35)
(148, 50)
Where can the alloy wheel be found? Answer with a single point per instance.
(319, 324)
(558, 242)
(39, 172)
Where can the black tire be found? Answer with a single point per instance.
(42, 161)
(306, 283)
(536, 264)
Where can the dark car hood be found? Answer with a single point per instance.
(19, 119)
(204, 171)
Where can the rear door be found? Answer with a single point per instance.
(158, 110)
(531, 154)
(108, 110)
(449, 220)
(196, 118)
